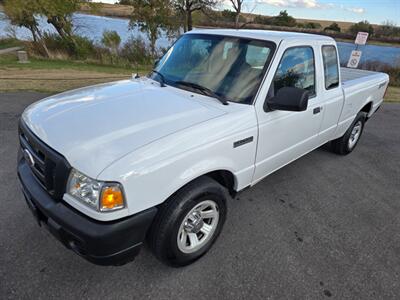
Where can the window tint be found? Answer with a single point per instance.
(296, 69)
(331, 68)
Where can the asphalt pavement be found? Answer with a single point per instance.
(325, 226)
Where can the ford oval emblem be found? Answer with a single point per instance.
(29, 158)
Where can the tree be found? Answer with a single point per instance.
(152, 16)
(228, 15)
(364, 26)
(333, 27)
(187, 7)
(388, 29)
(23, 13)
(111, 39)
(59, 14)
(283, 19)
(237, 6)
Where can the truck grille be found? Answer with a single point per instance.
(49, 167)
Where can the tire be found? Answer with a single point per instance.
(171, 236)
(348, 142)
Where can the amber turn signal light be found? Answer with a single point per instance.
(111, 198)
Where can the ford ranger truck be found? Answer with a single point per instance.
(158, 158)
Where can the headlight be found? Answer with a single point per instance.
(99, 195)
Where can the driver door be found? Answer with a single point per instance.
(286, 135)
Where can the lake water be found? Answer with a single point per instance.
(93, 27)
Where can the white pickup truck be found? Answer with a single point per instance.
(159, 157)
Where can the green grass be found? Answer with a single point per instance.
(55, 76)
(10, 43)
(393, 94)
(10, 61)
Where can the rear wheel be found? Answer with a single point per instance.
(346, 144)
(189, 222)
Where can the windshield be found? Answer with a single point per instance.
(229, 67)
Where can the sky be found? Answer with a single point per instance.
(375, 11)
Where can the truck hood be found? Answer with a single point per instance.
(92, 127)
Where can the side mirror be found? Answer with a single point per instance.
(156, 63)
(289, 99)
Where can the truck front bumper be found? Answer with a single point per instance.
(102, 243)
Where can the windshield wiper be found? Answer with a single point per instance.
(203, 90)
(162, 81)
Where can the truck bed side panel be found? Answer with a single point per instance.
(360, 88)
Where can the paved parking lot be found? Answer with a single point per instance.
(325, 226)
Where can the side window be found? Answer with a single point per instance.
(296, 69)
(331, 68)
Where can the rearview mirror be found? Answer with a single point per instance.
(289, 99)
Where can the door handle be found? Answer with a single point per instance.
(317, 110)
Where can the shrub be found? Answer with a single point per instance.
(388, 29)
(392, 70)
(111, 39)
(77, 47)
(333, 27)
(259, 19)
(135, 51)
(83, 48)
(312, 25)
(283, 19)
(9, 42)
(228, 15)
(364, 26)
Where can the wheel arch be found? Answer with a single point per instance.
(367, 108)
(224, 177)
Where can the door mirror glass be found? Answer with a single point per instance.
(288, 99)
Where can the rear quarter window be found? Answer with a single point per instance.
(331, 67)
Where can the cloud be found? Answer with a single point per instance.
(357, 10)
(313, 4)
(295, 3)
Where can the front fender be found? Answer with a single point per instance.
(149, 179)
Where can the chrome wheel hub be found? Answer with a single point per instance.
(198, 226)
(194, 223)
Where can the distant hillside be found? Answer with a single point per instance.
(324, 23)
(124, 11)
(109, 10)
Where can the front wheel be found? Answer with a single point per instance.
(189, 222)
(346, 144)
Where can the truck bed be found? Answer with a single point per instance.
(348, 75)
